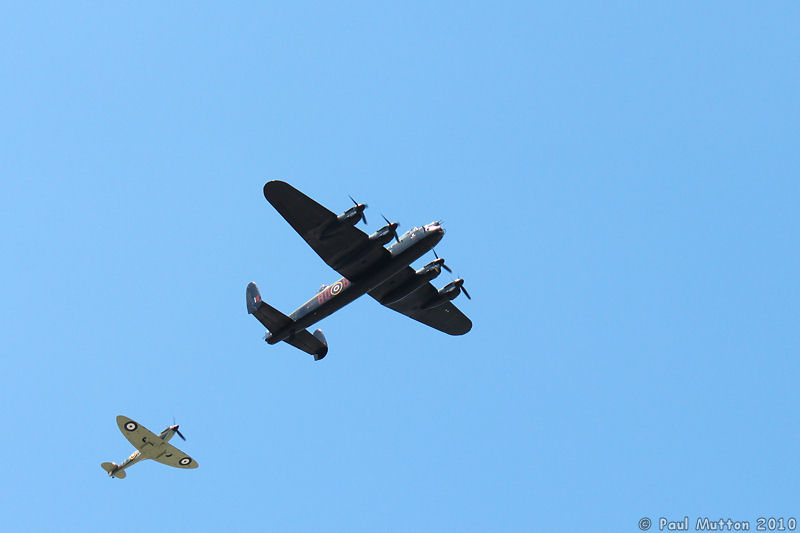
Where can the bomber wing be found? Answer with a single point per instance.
(446, 317)
(139, 436)
(341, 245)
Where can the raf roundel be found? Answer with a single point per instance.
(185, 461)
(131, 426)
(336, 288)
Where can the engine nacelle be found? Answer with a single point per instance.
(445, 294)
(421, 277)
(351, 216)
(385, 234)
(438, 264)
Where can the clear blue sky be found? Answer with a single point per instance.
(619, 183)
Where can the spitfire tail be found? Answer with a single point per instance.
(111, 468)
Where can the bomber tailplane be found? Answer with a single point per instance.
(279, 326)
(314, 344)
(273, 320)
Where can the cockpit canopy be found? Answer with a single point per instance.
(433, 226)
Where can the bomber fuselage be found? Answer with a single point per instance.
(410, 247)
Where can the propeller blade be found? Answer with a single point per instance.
(363, 216)
(443, 265)
(464, 290)
(394, 230)
(180, 434)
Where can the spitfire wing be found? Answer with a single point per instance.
(137, 435)
(341, 245)
(446, 317)
(172, 456)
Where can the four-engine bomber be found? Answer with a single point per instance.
(366, 266)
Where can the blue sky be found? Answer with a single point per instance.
(619, 186)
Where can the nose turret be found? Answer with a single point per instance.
(433, 233)
(435, 227)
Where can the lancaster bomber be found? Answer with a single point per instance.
(366, 265)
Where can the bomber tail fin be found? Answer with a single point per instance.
(272, 319)
(111, 468)
(314, 344)
(276, 322)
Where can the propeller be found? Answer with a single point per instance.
(460, 281)
(392, 227)
(464, 290)
(443, 265)
(175, 427)
(363, 216)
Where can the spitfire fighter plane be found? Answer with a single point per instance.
(149, 446)
(367, 267)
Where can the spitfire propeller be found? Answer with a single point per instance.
(175, 429)
(362, 208)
